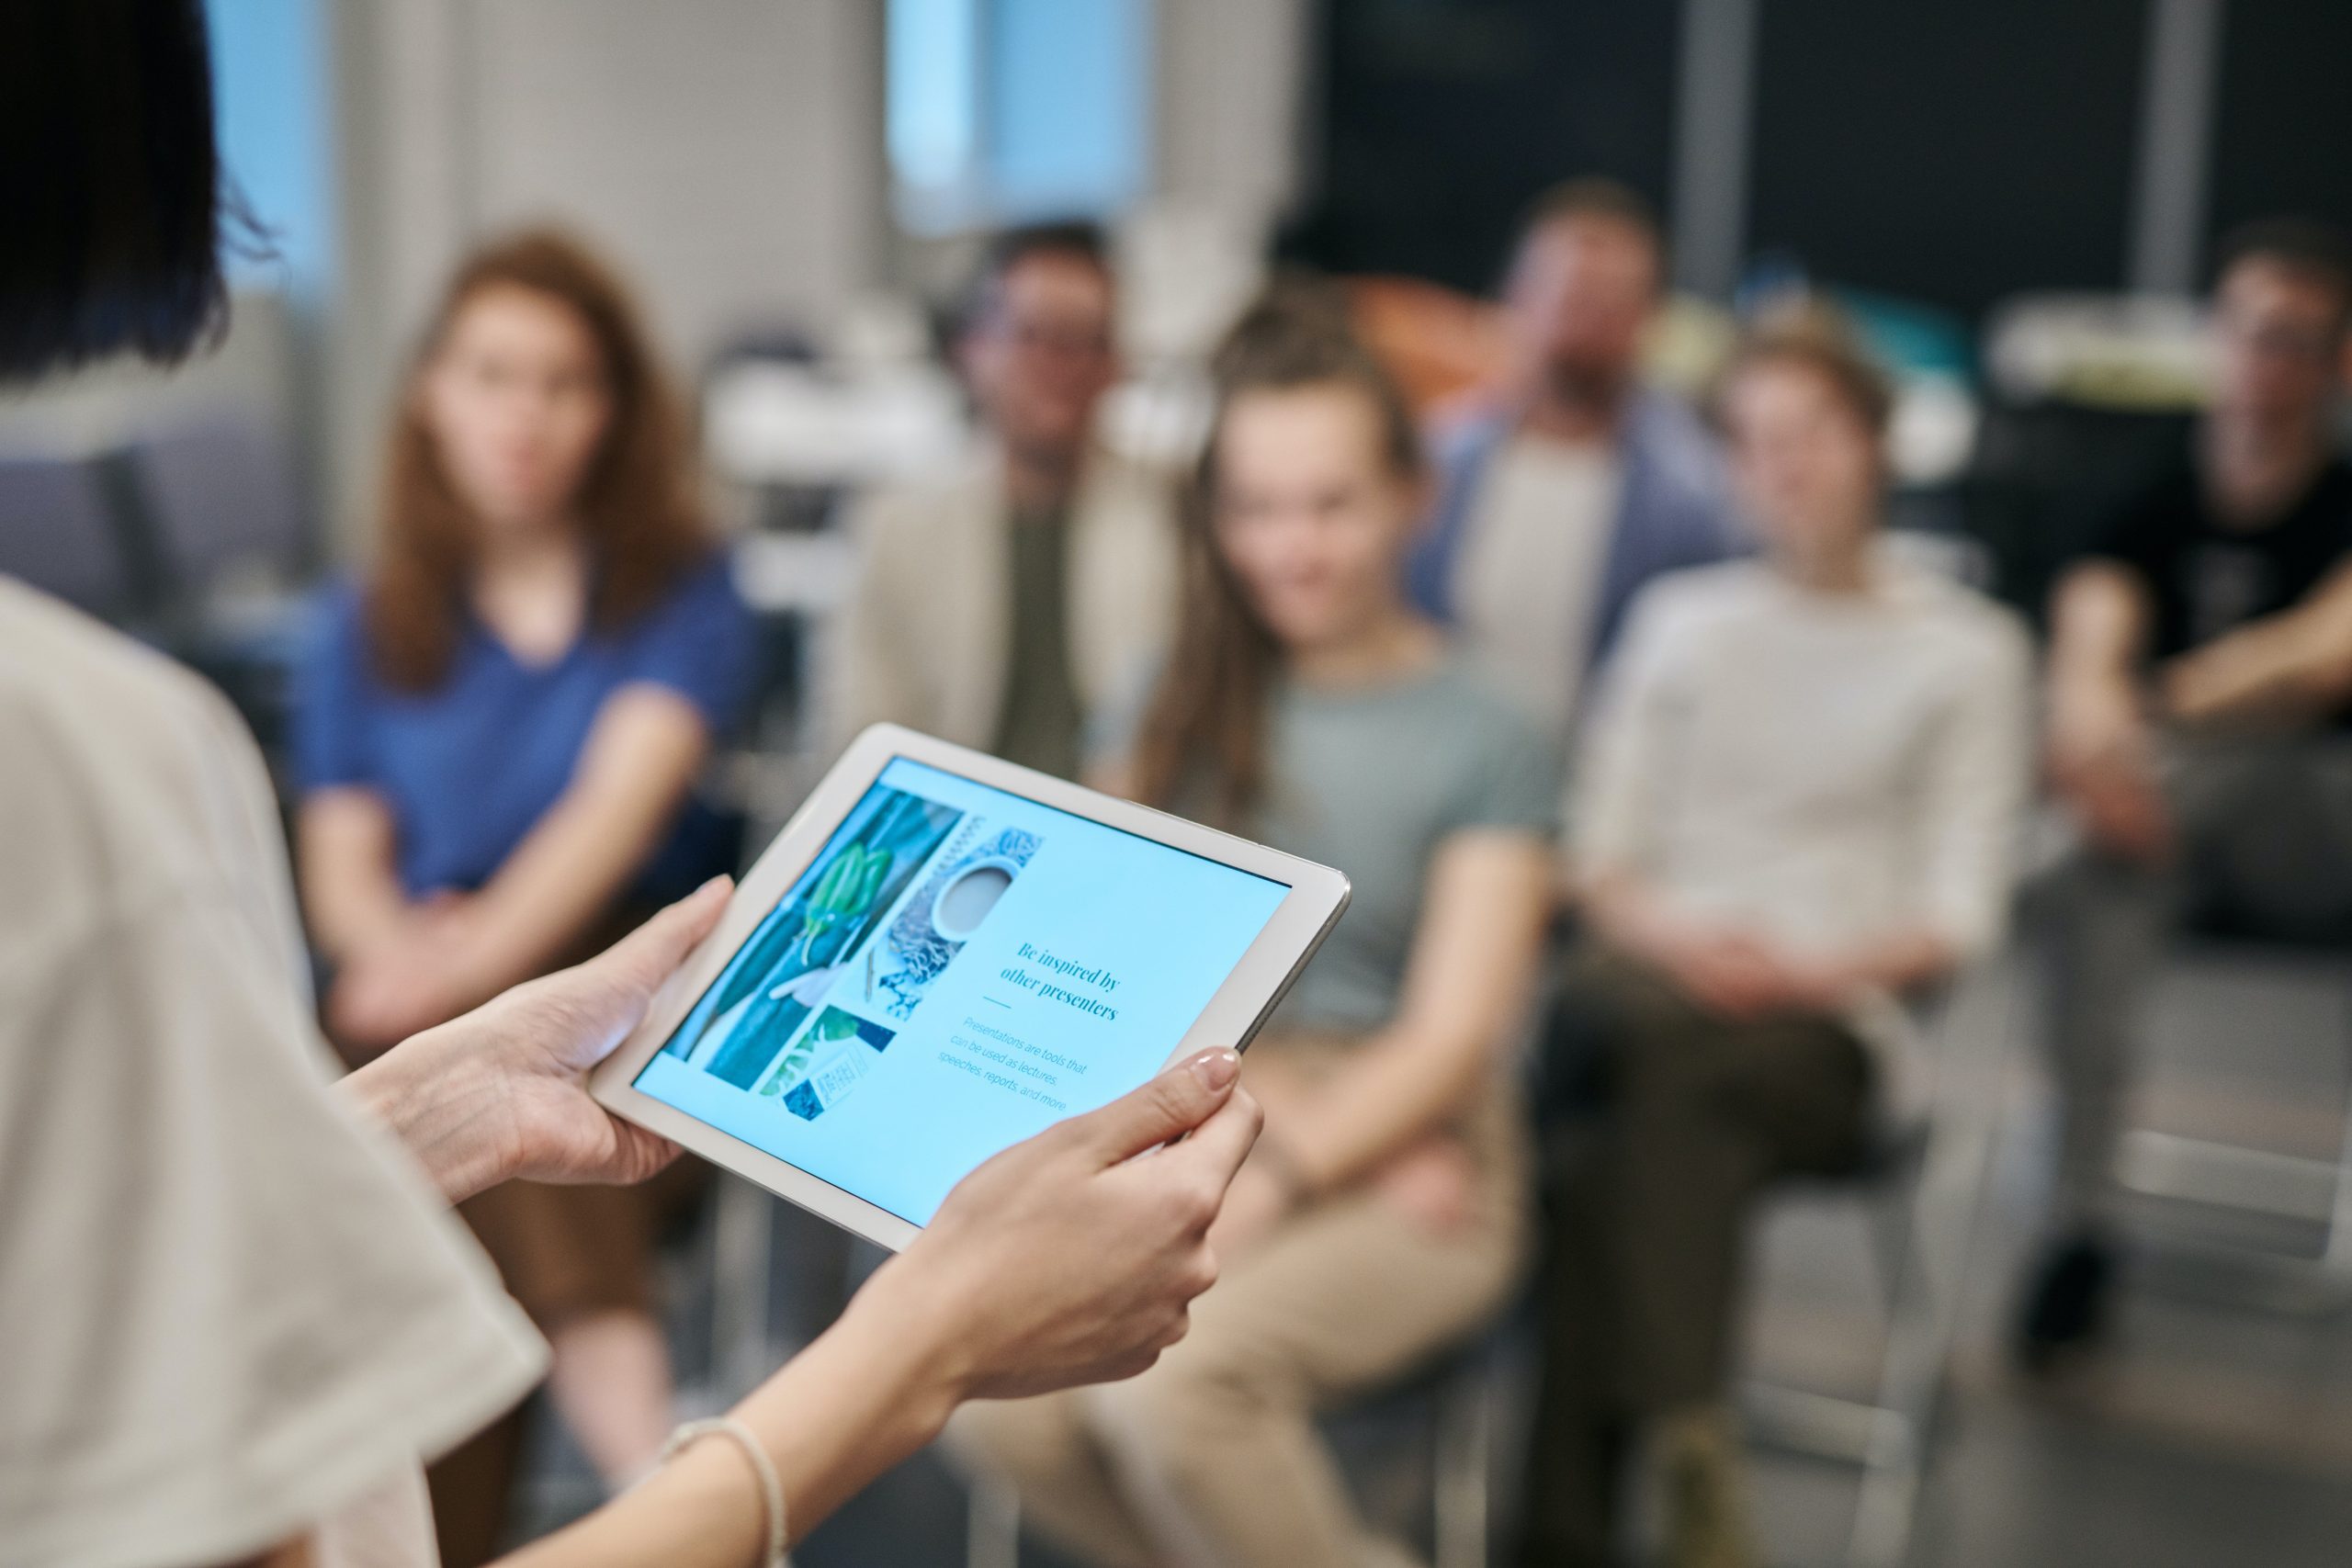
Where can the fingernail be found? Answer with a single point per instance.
(721, 880)
(1217, 1068)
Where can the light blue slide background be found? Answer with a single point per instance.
(1170, 926)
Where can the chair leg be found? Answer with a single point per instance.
(1927, 1300)
(2256, 1182)
(993, 1525)
(1464, 1468)
(743, 1242)
(2335, 1258)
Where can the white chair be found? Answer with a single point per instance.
(2273, 1189)
(1919, 1197)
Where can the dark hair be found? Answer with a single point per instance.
(1595, 196)
(2304, 246)
(111, 185)
(1819, 338)
(1206, 725)
(1078, 239)
(637, 507)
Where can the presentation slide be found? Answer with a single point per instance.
(957, 969)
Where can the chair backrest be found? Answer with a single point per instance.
(221, 498)
(58, 533)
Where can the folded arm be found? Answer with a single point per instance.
(2293, 667)
(408, 967)
(1467, 984)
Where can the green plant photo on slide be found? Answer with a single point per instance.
(746, 1023)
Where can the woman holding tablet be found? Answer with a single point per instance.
(235, 1315)
(544, 593)
(1385, 1216)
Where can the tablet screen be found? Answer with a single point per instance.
(958, 968)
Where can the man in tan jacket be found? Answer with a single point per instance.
(1005, 603)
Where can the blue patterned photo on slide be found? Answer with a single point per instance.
(827, 1063)
(943, 914)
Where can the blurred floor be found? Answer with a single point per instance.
(2215, 1434)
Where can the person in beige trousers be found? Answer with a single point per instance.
(1383, 1220)
(1007, 604)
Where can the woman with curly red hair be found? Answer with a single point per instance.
(498, 738)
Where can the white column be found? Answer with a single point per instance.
(2176, 145)
(1714, 107)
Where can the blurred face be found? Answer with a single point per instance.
(1807, 464)
(1040, 357)
(2278, 342)
(1310, 514)
(1580, 297)
(515, 402)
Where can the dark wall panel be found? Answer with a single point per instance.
(1441, 117)
(2283, 132)
(1948, 152)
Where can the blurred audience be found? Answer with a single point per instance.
(499, 737)
(1574, 484)
(1004, 605)
(1796, 806)
(1383, 1214)
(2200, 684)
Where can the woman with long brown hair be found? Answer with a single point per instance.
(1385, 1216)
(499, 737)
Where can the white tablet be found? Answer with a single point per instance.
(943, 953)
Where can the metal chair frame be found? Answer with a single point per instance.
(1923, 1199)
(2263, 1183)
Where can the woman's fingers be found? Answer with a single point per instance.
(1180, 1099)
(641, 961)
(1214, 1153)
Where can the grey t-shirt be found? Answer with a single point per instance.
(1370, 780)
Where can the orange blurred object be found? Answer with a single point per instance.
(1443, 346)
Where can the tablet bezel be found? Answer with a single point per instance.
(1317, 896)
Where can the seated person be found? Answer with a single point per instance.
(499, 737)
(1004, 605)
(1384, 1216)
(1580, 484)
(1797, 801)
(2200, 680)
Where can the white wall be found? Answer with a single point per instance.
(727, 152)
(1233, 90)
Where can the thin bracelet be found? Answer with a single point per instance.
(763, 1467)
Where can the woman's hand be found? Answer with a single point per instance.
(1069, 1258)
(501, 1092)
(416, 974)
(1072, 1257)
(1435, 1184)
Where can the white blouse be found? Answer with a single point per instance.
(230, 1313)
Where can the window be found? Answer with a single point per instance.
(1001, 110)
(269, 84)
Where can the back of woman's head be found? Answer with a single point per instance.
(112, 185)
(635, 504)
(1204, 734)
